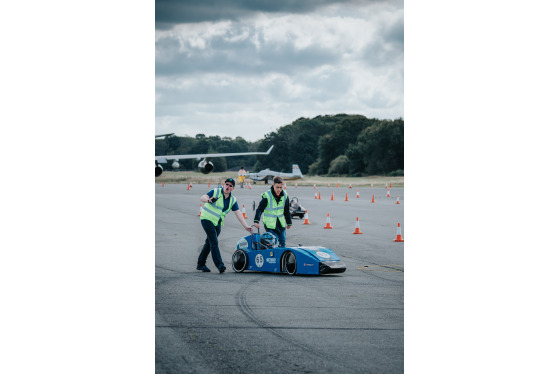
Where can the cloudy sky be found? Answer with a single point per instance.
(246, 68)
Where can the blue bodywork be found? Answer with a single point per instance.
(250, 255)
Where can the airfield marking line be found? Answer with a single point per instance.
(278, 327)
(377, 268)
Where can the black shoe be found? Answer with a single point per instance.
(222, 269)
(204, 268)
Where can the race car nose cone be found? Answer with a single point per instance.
(331, 267)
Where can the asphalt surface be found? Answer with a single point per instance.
(262, 322)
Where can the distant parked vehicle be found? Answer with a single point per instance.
(296, 210)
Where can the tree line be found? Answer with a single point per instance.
(329, 145)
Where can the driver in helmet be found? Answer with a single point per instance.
(268, 241)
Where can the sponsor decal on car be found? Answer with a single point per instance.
(323, 254)
(242, 244)
(271, 260)
(304, 264)
(271, 254)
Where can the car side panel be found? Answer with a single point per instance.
(306, 263)
(265, 260)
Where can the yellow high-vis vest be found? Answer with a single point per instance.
(274, 210)
(213, 212)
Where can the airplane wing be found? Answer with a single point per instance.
(204, 165)
(163, 159)
(159, 136)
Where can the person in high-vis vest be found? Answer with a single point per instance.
(242, 173)
(219, 202)
(275, 211)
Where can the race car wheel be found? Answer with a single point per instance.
(289, 263)
(239, 261)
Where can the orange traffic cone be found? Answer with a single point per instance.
(314, 186)
(243, 211)
(388, 193)
(350, 185)
(358, 194)
(398, 202)
(390, 185)
(399, 236)
(188, 187)
(200, 211)
(357, 229)
(162, 183)
(315, 195)
(306, 217)
(296, 185)
(319, 198)
(208, 184)
(332, 195)
(373, 198)
(336, 184)
(328, 225)
(346, 199)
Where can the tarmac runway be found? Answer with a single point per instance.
(275, 323)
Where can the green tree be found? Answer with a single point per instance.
(370, 146)
(341, 135)
(382, 147)
(339, 166)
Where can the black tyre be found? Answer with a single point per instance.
(289, 263)
(239, 261)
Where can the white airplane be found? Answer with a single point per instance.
(205, 166)
(267, 174)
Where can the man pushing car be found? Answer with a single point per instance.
(219, 202)
(275, 210)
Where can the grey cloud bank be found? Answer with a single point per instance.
(170, 12)
(256, 69)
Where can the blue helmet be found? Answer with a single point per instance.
(269, 240)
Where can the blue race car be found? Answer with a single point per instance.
(261, 253)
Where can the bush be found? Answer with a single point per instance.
(396, 173)
(313, 168)
(340, 165)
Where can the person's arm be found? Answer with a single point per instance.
(287, 214)
(208, 198)
(242, 220)
(259, 212)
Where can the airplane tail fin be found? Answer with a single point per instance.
(296, 171)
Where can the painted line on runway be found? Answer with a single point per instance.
(278, 327)
(382, 268)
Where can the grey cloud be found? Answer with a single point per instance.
(239, 57)
(272, 69)
(388, 47)
(395, 33)
(171, 12)
(209, 89)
